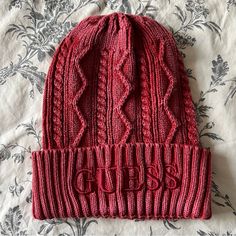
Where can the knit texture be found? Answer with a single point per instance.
(119, 129)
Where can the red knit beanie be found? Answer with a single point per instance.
(119, 128)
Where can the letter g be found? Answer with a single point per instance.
(84, 178)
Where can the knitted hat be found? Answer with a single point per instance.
(119, 128)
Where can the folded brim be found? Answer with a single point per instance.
(133, 181)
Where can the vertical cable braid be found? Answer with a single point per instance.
(52, 120)
(66, 105)
(154, 95)
(58, 95)
(148, 40)
(146, 102)
(101, 98)
(138, 133)
(188, 105)
(109, 111)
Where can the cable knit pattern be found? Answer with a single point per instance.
(58, 94)
(146, 101)
(188, 105)
(174, 122)
(78, 95)
(101, 98)
(125, 95)
(119, 130)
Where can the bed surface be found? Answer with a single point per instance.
(205, 32)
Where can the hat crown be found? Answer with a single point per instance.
(117, 78)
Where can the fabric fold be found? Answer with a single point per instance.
(132, 180)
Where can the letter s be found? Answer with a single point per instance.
(153, 178)
(172, 178)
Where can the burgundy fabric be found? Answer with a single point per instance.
(119, 128)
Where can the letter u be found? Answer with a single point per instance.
(105, 179)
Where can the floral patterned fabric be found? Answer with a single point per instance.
(29, 33)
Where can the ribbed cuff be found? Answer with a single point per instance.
(134, 181)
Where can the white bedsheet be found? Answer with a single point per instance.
(30, 31)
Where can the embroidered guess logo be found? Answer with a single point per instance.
(127, 178)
